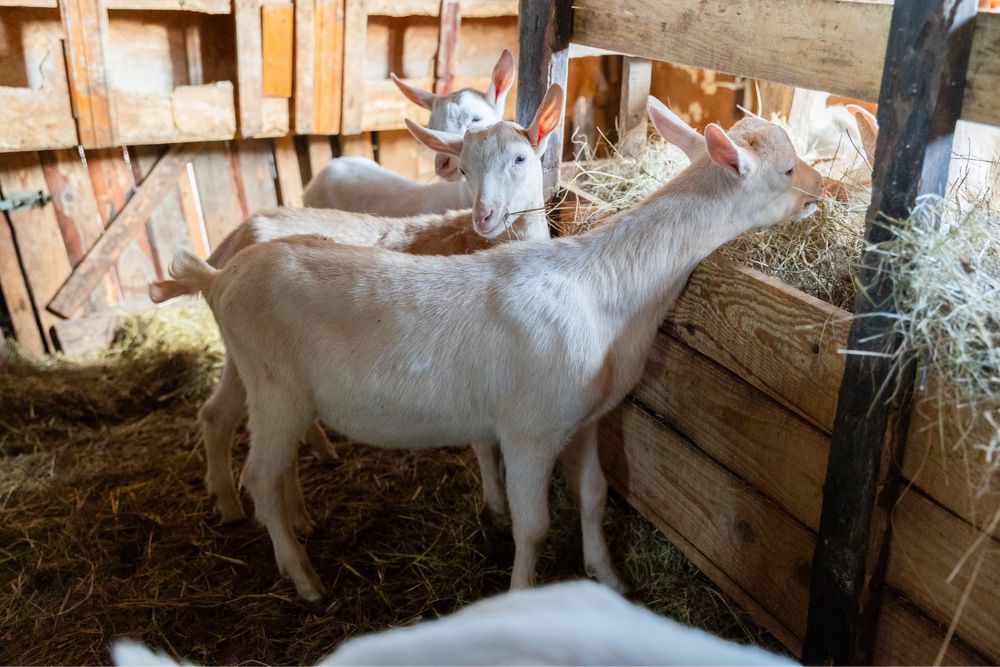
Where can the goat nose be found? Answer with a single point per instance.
(483, 216)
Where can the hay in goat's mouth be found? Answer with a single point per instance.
(106, 529)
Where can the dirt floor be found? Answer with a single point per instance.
(106, 531)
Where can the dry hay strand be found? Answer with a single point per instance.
(106, 530)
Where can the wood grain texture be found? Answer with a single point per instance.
(444, 62)
(37, 235)
(778, 339)
(257, 174)
(187, 113)
(358, 145)
(123, 230)
(544, 32)
(741, 428)
(259, 116)
(305, 65)
(320, 153)
(15, 294)
(840, 48)
(400, 152)
(907, 637)
(218, 191)
(40, 114)
(919, 104)
(328, 82)
(632, 127)
(286, 162)
(278, 32)
(928, 543)
(355, 49)
(86, 25)
(762, 550)
(201, 6)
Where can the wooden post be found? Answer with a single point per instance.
(920, 101)
(544, 27)
(444, 66)
(636, 75)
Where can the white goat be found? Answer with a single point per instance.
(572, 623)
(362, 185)
(528, 344)
(508, 205)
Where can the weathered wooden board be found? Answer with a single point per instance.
(747, 432)
(37, 234)
(218, 191)
(906, 637)
(257, 173)
(37, 112)
(357, 145)
(277, 27)
(286, 162)
(778, 339)
(320, 153)
(123, 230)
(840, 48)
(319, 65)
(259, 116)
(15, 294)
(202, 6)
(86, 25)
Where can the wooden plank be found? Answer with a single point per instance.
(50, 4)
(355, 38)
(632, 128)
(113, 183)
(320, 153)
(257, 174)
(305, 65)
(277, 35)
(328, 78)
(359, 145)
(286, 163)
(200, 6)
(444, 65)
(37, 235)
(399, 151)
(249, 66)
(907, 637)
(164, 227)
(778, 339)
(774, 99)
(15, 294)
(76, 210)
(402, 7)
(218, 192)
(544, 31)
(86, 25)
(741, 428)
(489, 8)
(919, 104)
(187, 113)
(122, 231)
(840, 48)
(762, 551)
(928, 543)
(191, 210)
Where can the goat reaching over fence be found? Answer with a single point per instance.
(362, 185)
(511, 192)
(528, 344)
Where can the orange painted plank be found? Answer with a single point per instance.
(277, 23)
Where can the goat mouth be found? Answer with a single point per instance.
(489, 231)
(808, 210)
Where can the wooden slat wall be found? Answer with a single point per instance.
(840, 48)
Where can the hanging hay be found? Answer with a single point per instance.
(948, 279)
(106, 530)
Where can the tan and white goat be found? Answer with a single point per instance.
(528, 344)
(505, 177)
(362, 185)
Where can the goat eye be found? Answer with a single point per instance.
(789, 172)
(476, 119)
(519, 159)
(462, 172)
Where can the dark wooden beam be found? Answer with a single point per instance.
(544, 27)
(920, 101)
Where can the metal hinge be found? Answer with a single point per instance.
(16, 201)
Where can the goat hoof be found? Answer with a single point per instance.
(609, 577)
(231, 513)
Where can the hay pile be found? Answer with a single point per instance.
(105, 529)
(949, 280)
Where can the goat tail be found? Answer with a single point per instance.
(191, 274)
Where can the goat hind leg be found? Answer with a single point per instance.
(218, 417)
(295, 504)
(491, 471)
(529, 467)
(582, 466)
(315, 437)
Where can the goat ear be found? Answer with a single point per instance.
(867, 127)
(672, 128)
(724, 151)
(420, 97)
(547, 118)
(501, 81)
(442, 142)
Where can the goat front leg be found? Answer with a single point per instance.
(529, 467)
(224, 409)
(491, 471)
(295, 504)
(582, 466)
(273, 437)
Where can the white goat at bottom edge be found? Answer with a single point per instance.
(362, 185)
(571, 623)
(528, 344)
